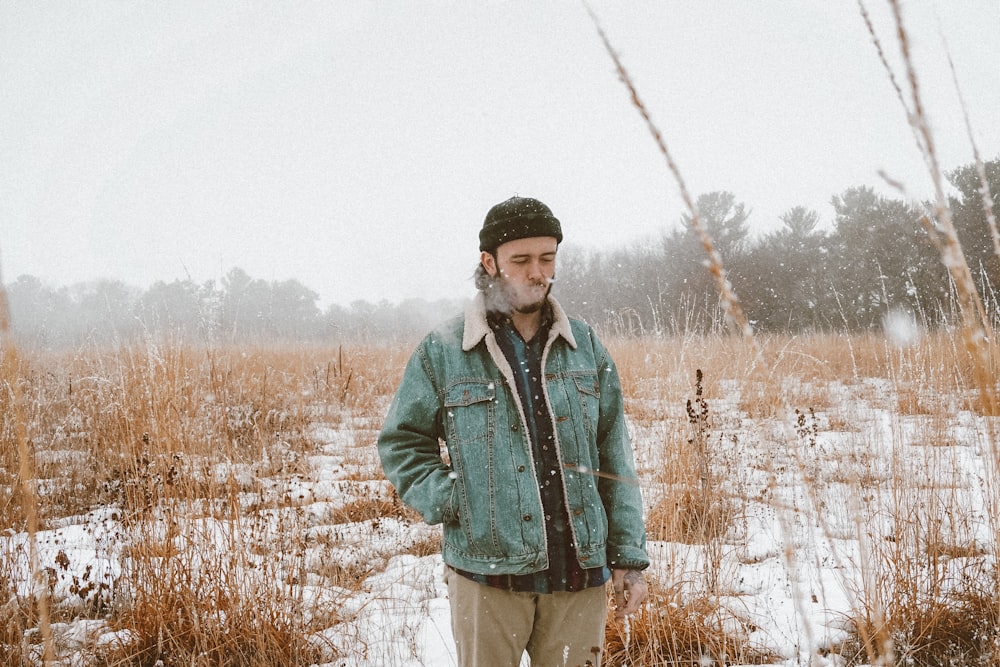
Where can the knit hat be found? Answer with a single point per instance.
(518, 218)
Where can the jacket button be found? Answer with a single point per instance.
(526, 517)
(513, 427)
(520, 468)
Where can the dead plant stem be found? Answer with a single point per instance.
(976, 333)
(28, 478)
(730, 302)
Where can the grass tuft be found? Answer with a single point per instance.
(676, 629)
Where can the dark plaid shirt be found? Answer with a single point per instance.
(565, 572)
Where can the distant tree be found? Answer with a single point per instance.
(180, 307)
(685, 278)
(254, 309)
(799, 223)
(970, 223)
(234, 293)
(598, 286)
(369, 319)
(726, 221)
(628, 292)
(578, 283)
(292, 311)
(787, 281)
(105, 311)
(39, 314)
(878, 256)
(210, 300)
(419, 316)
(245, 306)
(407, 321)
(882, 258)
(335, 322)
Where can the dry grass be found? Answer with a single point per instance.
(204, 457)
(959, 629)
(196, 611)
(143, 426)
(174, 440)
(676, 629)
(927, 585)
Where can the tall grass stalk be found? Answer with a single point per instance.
(976, 332)
(984, 185)
(12, 379)
(732, 308)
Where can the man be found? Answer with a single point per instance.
(536, 487)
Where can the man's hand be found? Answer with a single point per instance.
(630, 591)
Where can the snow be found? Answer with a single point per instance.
(901, 328)
(790, 566)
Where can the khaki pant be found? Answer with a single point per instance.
(494, 627)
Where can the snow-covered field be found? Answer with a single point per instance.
(838, 490)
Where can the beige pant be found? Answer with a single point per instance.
(494, 627)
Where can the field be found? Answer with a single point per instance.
(820, 500)
(810, 500)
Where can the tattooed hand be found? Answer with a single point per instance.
(630, 591)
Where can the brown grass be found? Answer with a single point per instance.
(676, 629)
(957, 630)
(817, 385)
(149, 432)
(190, 448)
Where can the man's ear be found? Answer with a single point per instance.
(489, 262)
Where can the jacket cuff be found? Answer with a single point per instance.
(627, 558)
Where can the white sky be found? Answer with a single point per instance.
(356, 146)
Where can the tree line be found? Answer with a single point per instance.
(877, 257)
(238, 309)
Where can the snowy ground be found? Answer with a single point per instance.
(817, 498)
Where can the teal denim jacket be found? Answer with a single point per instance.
(458, 389)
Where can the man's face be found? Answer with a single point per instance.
(526, 269)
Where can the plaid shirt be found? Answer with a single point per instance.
(565, 572)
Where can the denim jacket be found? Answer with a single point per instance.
(458, 389)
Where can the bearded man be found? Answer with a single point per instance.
(536, 487)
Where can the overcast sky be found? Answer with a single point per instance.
(356, 146)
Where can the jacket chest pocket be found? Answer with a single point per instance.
(470, 411)
(588, 393)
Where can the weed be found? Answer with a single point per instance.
(677, 629)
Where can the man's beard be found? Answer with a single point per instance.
(502, 296)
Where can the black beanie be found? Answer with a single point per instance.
(517, 218)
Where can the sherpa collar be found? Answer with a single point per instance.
(477, 328)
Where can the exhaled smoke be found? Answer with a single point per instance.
(502, 295)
